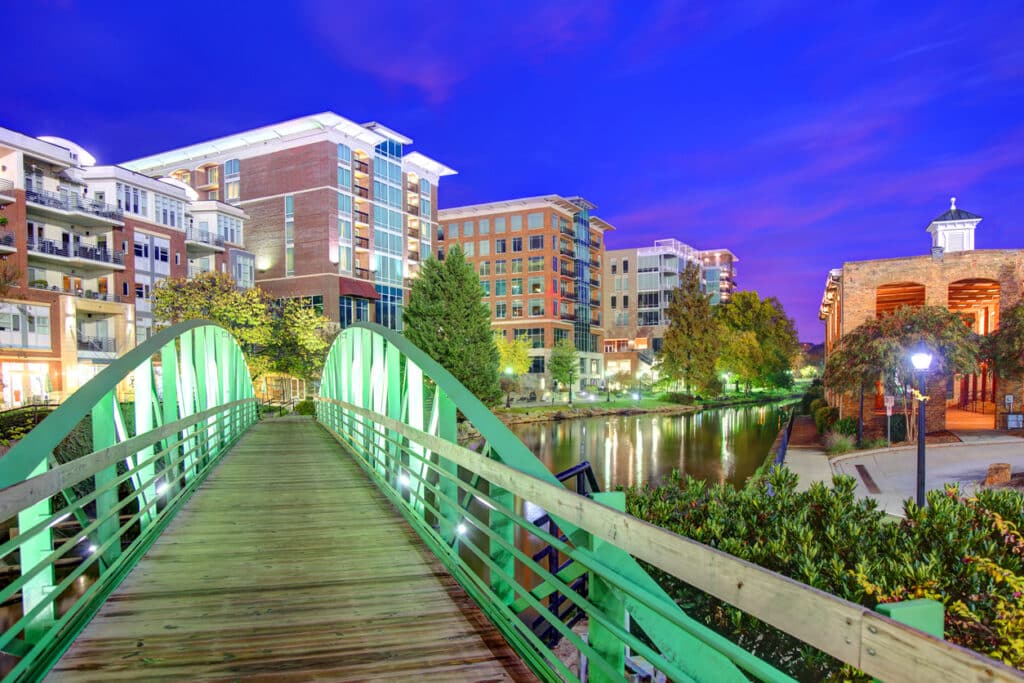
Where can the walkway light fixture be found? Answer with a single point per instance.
(922, 361)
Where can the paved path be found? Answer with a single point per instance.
(288, 564)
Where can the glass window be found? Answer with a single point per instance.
(499, 246)
(424, 186)
(453, 231)
(536, 308)
(500, 287)
(501, 310)
(536, 242)
(536, 365)
(344, 177)
(231, 167)
(499, 267)
(535, 220)
(485, 226)
(231, 190)
(289, 206)
(468, 248)
(517, 309)
(467, 229)
(517, 265)
(499, 225)
(212, 175)
(344, 153)
(517, 286)
(625, 265)
(536, 264)
(485, 248)
(486, 285)
(536, 285)
(485, 268)
(561, 335)
(517, 223)
(517, 244)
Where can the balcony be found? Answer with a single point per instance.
(360, 166)
(200, 243)
(595, 242)
(594, 281)
(80, 255)
(567, 230)
(74, 209)
(566, 250)
(596, 320)
(361, 242)
(361, 217)
(571, 296)
(414, 233)
(414, 256)
(362, 273)
(6, 191)
(360, 191)
(86, 294)
(414, 210)
(565, 315)
(7, 244)
(567, 271)
(97, 344)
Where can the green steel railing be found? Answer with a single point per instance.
(395, 410)
(191, 398)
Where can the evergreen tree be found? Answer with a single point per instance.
(564, 364)
(447, 318)
(691, 344)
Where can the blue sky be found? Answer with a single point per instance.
(799, 135)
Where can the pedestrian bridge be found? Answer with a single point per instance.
(199, 542)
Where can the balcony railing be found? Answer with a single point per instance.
(414, 210)
(566, 251)
(194, 235)
(73, 202)
(567, 271)
(85, 294)
(567, 230)
(414, 256)
(414, 233)
(101, 344)
(594, 281)
(6, 186)
(565, 315)
(77, 251)
(362, 273)
(362, 217)
(360, 191)
(361, 242)
(6, 238)
(595, 242)
(565, 294)
(360, 166)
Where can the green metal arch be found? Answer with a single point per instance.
(39, 443)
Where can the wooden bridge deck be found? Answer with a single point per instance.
(288, 564)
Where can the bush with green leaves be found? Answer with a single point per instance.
(837, 443)
(680, 397)
(816, 404)
(847, 426)
(899, 427)
(824, 418)
(305, 407)
(952, 551)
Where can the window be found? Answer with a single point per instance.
(469, 248)
(615, 267)
(561, 335)
(500, 287)
(212, 175)
(213, 194)
(517, 309)
(517, 286)
(625, 301)
(536, 365)
(344, 154)
(517, 223)
(499, 267)
(499, 247)
(453, 231)
(517, 265)
(536, 285)
(485, 248)
(485, 226)
(467, 229)
(485, 268)
(289, 234)
(424, 186)
(535, 220)
(536, 264)
(554, 263)
(517, 244)
(536, 308)
(177, 258)
(614, 302)
(536, 242)
(231, 190)
(499, 225)
(345, 177)
(232, 167)
(625, 265)
(486, 285)
(501, 310)
(534, 336)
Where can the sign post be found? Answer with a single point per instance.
(890, 401)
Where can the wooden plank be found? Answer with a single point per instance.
(289, 565)
(829, 623)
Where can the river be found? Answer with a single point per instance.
(722, 445)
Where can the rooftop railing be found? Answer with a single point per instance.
(66, 201)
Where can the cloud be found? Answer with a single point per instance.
(434, 47)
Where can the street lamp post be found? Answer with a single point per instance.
(508, 387)
(922, 360)
(608, 386)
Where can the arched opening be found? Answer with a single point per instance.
(892, 296)
(971, 399)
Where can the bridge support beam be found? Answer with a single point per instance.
(607, 599)
(36, 592)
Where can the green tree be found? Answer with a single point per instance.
(299, 342)
(774, 336)
(1005, 346)
(564, 364)
(859, 358)
(514, 361)
(691, 345)
(214, 296)
(447, 318)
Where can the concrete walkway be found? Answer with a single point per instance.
(810, 464)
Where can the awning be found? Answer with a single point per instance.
(358, 288)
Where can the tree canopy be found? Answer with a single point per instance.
(513, 354)
(564, 364)
(691, 344)
(758, 340)
(447, 318)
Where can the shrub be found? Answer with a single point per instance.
(824, 418)
(680, 398)
(836, 442)
(816, 404)
(305, 407)
(953, 550)
(847, 426)
(899, 427)
(874, 443)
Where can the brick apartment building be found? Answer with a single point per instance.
(980, 283)
(639, 285)
(340, 215)
(539, 260)
(88, 243)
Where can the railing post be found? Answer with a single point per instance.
(104, 435)
(447, 429)
(503, 527)
(34, 551)
(607, 599)
(143, 378)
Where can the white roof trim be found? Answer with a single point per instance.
(427, 164)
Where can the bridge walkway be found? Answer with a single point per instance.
(288, 565)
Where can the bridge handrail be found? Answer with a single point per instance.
(850, 632)
(189, 409)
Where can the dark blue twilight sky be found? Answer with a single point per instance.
(798, 134)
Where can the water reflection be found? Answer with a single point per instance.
(723, 445)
